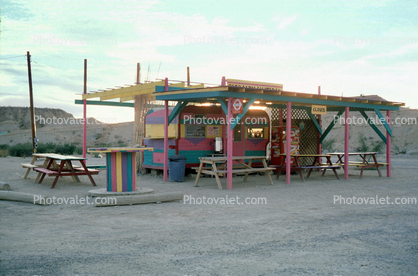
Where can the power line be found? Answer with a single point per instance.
(14, 57)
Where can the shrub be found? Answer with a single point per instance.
(328, 144)
(363, 146)
(65, 149)
(21, 150)
(4, 147)
(378, 147)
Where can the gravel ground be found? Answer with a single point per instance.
(295, 229)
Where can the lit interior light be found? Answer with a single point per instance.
(258, 107)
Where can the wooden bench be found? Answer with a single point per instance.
(46, 171)
(214, 170)
(235, 171)
(354, 164)
(323, 167)
(74, 174)
(363, 166)
(92, 171)
(29, 167)
(77, 171)
(234, 167)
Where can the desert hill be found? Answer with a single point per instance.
(60, 127)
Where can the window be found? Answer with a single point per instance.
(237, 133)
(255, 132)
(194, 131)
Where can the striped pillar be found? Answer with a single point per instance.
(121, 171)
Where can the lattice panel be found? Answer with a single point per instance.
(275, 116)
(308, 139)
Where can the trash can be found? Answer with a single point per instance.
(177, 168)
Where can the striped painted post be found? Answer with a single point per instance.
(121, 172)
(120, 168)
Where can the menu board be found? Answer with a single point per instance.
(195, 131)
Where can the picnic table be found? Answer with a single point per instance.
(368, 160)
(32, 165)
(316, 164)
(217, 167)
(61, 165)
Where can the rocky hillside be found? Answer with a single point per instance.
(60, 127)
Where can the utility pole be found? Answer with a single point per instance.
(32, 109)
(138, 73)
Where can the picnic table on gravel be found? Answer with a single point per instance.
(316, 164)
(32, 165)
(61, 165)
(369, 160)
(218, 167)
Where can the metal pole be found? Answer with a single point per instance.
(32, 109)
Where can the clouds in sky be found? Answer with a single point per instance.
(347, 47)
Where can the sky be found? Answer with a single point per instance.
(346, 47)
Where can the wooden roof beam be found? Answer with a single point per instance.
(123, 90)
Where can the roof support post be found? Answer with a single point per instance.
(374, 127)
(85, 112)
(165, 173)
(382, 119)
(288, 142)
(346, 139)
(388, 148)
(319, 128)
(331, 125)
(230, 144)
